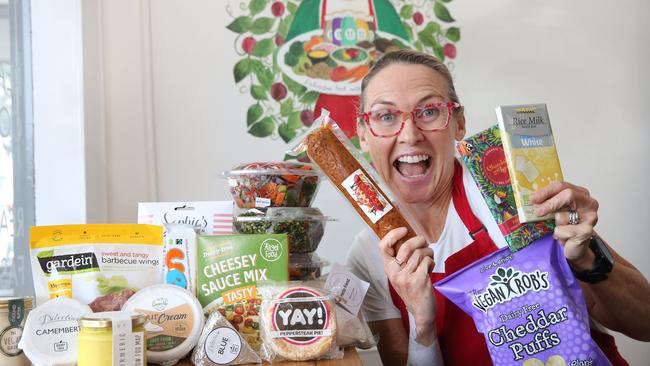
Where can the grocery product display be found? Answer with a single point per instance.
(51, 332)
(174, 321)
(13, 314)
(132, 294)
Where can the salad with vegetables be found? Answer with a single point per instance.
(273, 184)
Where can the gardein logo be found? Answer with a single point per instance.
(508, 284)
(70, 263)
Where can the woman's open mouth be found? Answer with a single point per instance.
(412, 166)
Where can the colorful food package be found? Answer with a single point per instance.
(101, 265)
(530, 152)
(220, 344)
(273, 184)
(210, 217)
(483, 156)
(230, 267)
(304, 226)
(328, 147)
(179, 256)
(528, 305)
(298, 323)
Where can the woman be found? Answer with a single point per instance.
(414, 154)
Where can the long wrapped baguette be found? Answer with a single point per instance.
(353, 181)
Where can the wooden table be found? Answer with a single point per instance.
(351, 358)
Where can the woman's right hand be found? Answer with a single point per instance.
(408, 271)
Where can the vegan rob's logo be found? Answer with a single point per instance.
(80, 262)
(508, 284)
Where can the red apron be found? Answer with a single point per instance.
(461, 343)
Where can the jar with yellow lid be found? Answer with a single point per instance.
(13, 312)
(112, 338)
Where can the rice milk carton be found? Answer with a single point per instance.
(530, 153)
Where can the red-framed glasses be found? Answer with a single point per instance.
(390, 122)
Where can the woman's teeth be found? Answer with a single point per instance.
(411, 159)
(412, 165)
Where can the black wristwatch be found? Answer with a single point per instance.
(603, 263)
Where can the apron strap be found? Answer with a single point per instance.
(459, 198)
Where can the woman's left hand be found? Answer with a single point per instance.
(561, 198)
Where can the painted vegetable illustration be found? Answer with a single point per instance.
(366, 195)
(296, 56)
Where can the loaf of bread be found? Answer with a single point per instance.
(353, 181)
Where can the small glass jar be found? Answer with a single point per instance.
(13, 312)
(96, 339)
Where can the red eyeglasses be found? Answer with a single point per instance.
(390, 122)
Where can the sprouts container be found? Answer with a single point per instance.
(305, 266)
(273, 184)
(304, 226)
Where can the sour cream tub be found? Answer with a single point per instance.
(174, 321)
(13, 312)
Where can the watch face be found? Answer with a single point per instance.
(604, 249)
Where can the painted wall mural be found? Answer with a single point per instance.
(300, 56)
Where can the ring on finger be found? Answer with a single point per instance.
(574, 217)
(398, 262)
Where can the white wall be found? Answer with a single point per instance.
(165, 118)
(60, 185)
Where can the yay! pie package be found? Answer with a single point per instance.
(528, 305)
(298, 322)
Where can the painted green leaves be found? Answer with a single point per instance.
(426, 27)
(442, 12)
(282, 107)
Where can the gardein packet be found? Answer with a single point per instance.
(528, 305)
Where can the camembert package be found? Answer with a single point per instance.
(101, 265)
(530, 152)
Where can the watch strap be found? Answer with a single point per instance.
(602, 264)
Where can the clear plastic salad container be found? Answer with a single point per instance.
(273, 184)
(305, 266)
(304, 226)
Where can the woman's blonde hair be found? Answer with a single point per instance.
(408, 57)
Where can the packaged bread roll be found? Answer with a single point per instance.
(330, 149)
